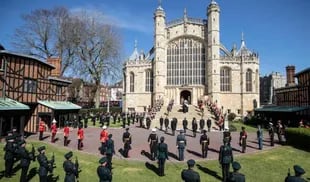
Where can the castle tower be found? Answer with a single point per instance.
(160, 53)
(213, 76)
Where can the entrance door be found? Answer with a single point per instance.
(185, 95)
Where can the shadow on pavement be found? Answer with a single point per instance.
(194, 153)
(173, 156)
(208, 171)
(146, 154)
(214, 150)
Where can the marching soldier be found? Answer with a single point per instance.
(128, 119)
(110, 151)
(236, 176)
(173, 124)
(225, 158)
(189, 175)
(80, 137)
(66, 134)
(54, 130)
(69, 167)
(93, 119)
(162, 155)
(166, 124)
(9, 155)
(108, 119)
(124, 119)
(42, 127)
(148, 122)
(181, 144)
(85, 121)
(194, 126)
(103, 171)
(227, 135)
(201, 124)
(209, 124)
(45, 165)
(204, 142)
(260, 137)
(127, 142)
(25, 158)
(153, 141)
(298, 173)
(242, 139)
(271, 134)
(161, 122)
(103, 138)
(185, 123)
(141, 120)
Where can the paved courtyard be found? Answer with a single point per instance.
(139, 143)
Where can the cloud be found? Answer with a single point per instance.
(119, 18)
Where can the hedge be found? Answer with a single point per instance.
(99, 110)
(298, 137)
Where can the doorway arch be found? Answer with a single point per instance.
(185, 95)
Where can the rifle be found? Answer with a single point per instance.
(52, 162)
(33, 153)
(77, 166)
(288, 172)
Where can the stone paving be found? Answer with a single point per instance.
(139, 143)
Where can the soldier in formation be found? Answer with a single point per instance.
(235, 176)
(9, 155)
(227, 135)
(181, 144)
(173, 124)
(260, 137)
(185, 123)
(194, 127)
(70, 168)
(189, 175)
(148, 122)
(153, 141)
(161, 122)
(66, 134)
(201, 124)
(204, 142)
(80, 137)
(110, 151)
(45, 165)
(42, 128)
(162, 155)
(103, 138)
(54, 130)
(127, 142)
(271, 134)
(299, 171)
(242, 139)
(103, 171)
(225, 158)
(209, 124)
(25, 159)
(166, 124)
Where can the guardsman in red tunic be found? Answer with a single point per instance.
(41, 129)
(80, 136)
(103, 138)
(66, 135)
(54, 130)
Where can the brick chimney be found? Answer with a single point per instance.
(290, 72)
(57, 63)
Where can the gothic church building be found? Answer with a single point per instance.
(188, 62)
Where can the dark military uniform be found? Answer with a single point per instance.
(201, 124)
(242, 139)
(153, 141)
(166, 124)
(161, 122)
(110, 151)
(124, 119)
(185, 123)
(141, 120)
(298, 173)
(127, 142)
(162, 155)
(236, 176)
(271, 134)
(209, 125)
(204, 142)
(189, 175)
(70, 168)
(225, 158)
(194, 127)
(181, 143)
(9, 155)
(173, 124)
(148, 122)
(25, 158)
(227, 136)
(103, 172)
(45, 165)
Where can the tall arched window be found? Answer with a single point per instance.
(148, 81)
(186, 62)
(225, 79)
(132, 82)
(248, 80)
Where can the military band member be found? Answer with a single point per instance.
(127, 142)
(110, 151)
(45, 165)
(70, 168)
(189, 175)
(181, 144)
(185, 123)
(298, 173)
(66, 134)
(103, 138)
(54, 130)
(201, 125)
(235, 176)
(25, 158)
(166, 124)
(103, 171)
(153, 141)
(162, 155)
(42, 128)
(80, 137)
(161, 122)
(271, 134)
(260, 137)
(227, 135)
(242, 139)
(204, 142)
(148, 122)
(225, 158)
(9, 155)
(194, 126)
(124, 119)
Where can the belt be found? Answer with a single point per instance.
(126, 138)
(205, 141)
(181, 141)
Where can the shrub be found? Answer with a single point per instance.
(99, 110)
(298, 137)
(231, 116)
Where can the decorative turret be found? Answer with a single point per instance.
(135, 54)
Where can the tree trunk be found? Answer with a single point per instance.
(97, 96)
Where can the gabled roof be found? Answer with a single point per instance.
(7, 104)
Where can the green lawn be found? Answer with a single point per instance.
(265, 166)
(248, 128)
